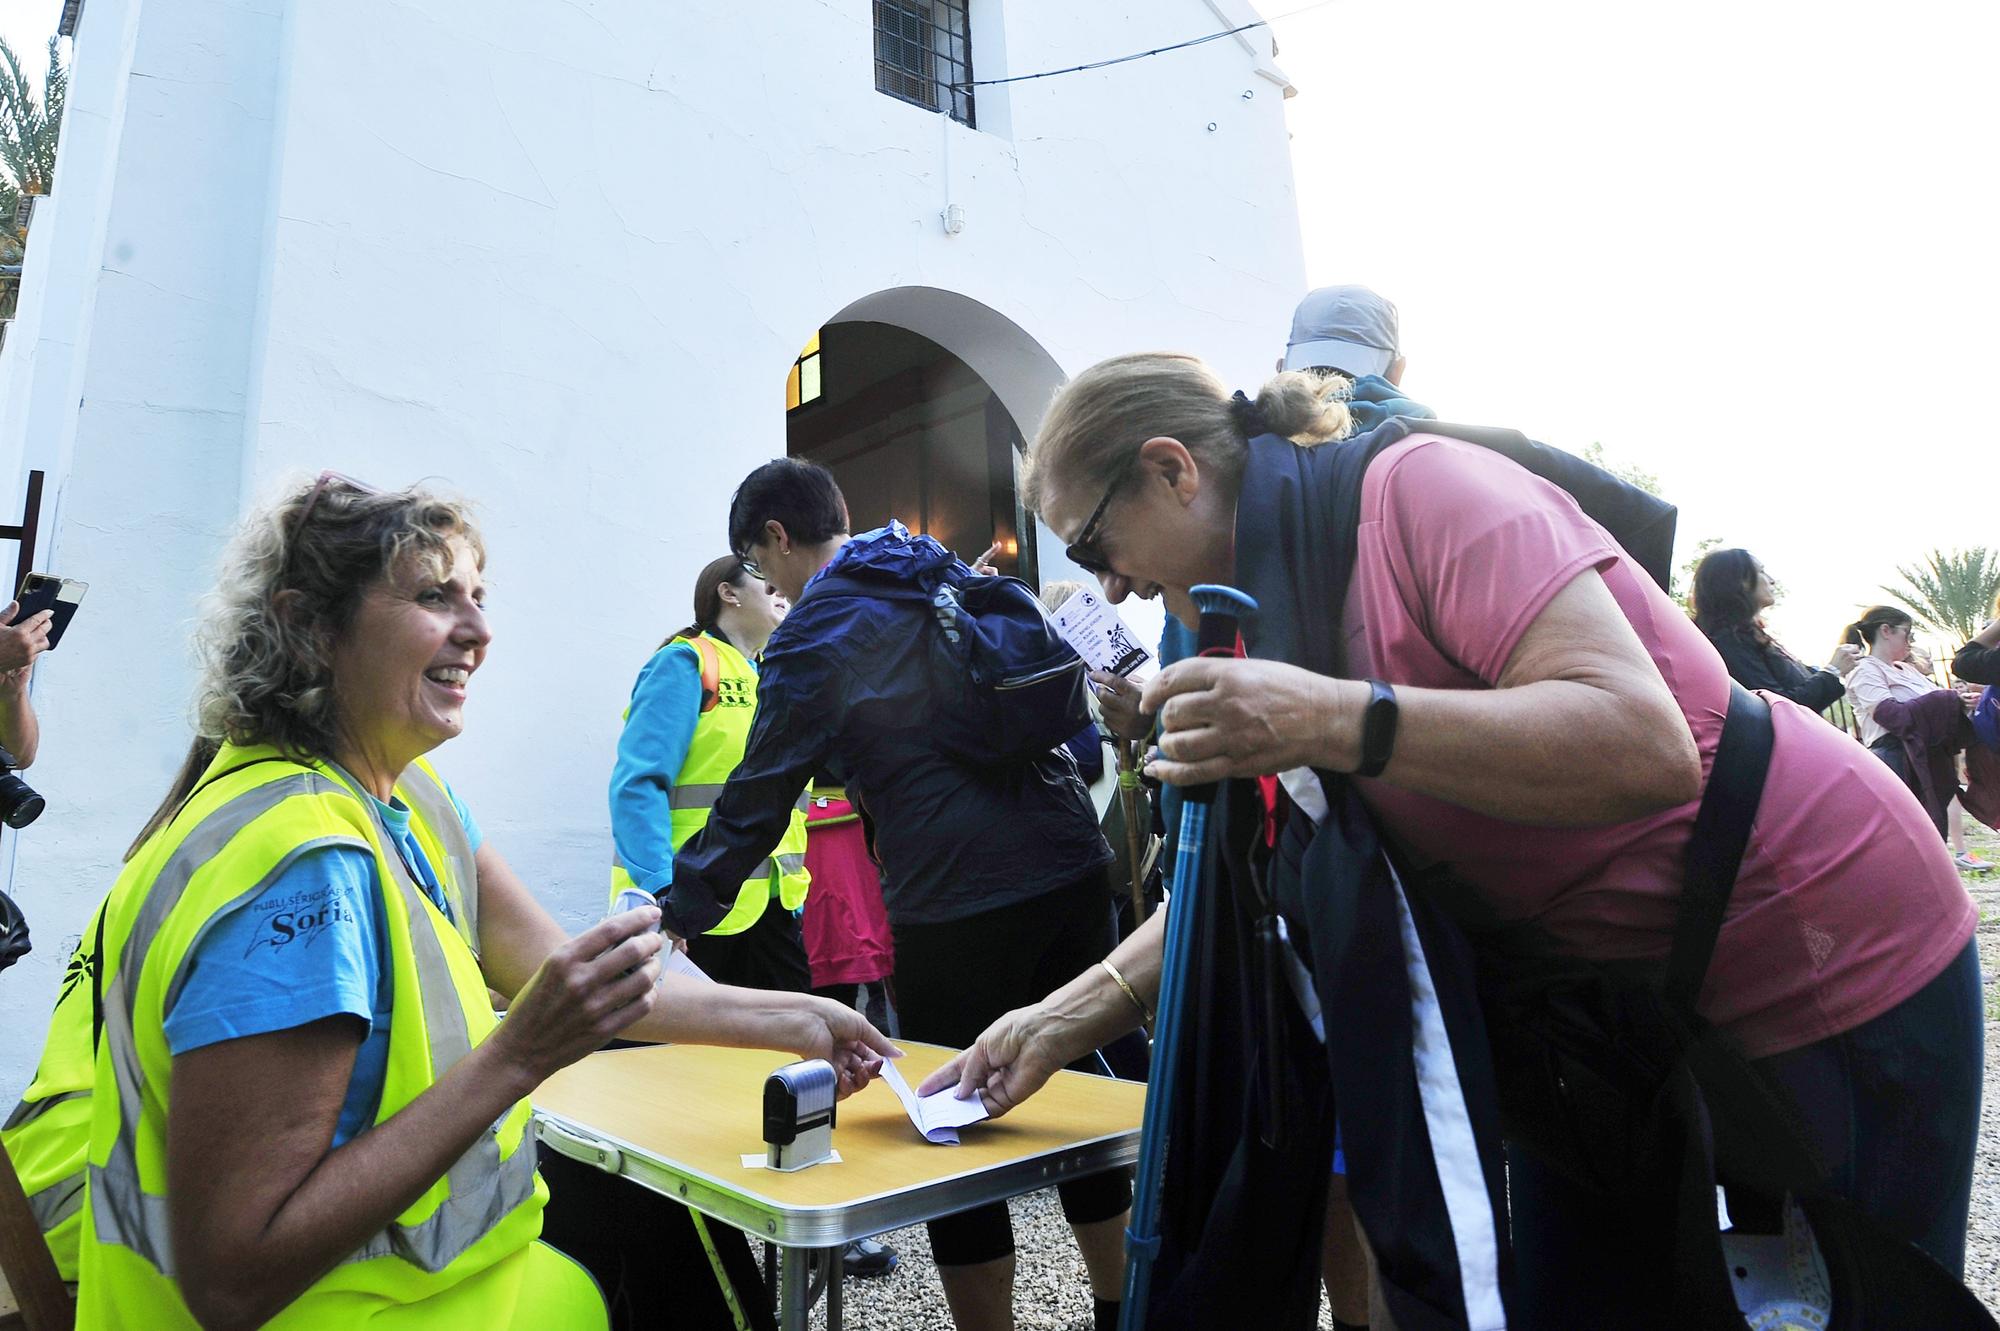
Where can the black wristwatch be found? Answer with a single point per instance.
(1378, 729)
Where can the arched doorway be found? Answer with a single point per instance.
(920, 401)
(912, 432)
(924, 398)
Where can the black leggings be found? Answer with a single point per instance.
(954, 979)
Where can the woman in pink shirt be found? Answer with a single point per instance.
(1557, 718)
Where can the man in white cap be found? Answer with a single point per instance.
(1345, 328)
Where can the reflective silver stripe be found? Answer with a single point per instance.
(428, 795)
(57, 1202)
(770, 869)
(482, 1187)
(125, 1213)
(694, 795)
(804, 802)
(30, 1110)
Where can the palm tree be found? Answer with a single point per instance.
(1951, 590)
(29, 124)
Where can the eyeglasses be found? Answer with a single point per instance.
(320, 486)
(752, 567)
(1083, 551)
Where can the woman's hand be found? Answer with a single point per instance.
(21, 643)
(588, 990)
(1011, 1060)
(843, 1037)
(1015, 1056)
(1224, 717)
(1845, 657)
(1118, 700)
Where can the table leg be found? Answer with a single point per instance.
(836, 1258)
(794, 1285)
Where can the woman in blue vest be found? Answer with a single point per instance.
(684, 733)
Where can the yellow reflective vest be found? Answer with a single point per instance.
(721, 733)
(463, 1254)
(46, 1134)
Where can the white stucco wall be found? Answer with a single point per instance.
(560, 257)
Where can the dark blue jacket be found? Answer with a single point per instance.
(844, 685)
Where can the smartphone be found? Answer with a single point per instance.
(45, 591)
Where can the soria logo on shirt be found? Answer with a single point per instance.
(82, 965)
(733, 693)
(297, 918)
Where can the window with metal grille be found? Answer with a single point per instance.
(923, 54)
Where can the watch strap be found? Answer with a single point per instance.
(1378, 729)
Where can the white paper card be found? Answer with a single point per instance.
(677, 963)
(939, 1115)
(1088, 623)
(762, 1161)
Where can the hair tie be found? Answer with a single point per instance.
(1248, 419)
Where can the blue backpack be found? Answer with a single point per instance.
(1005, 687)
(1986, 718)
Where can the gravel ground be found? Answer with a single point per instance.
(1051, 1293)
(1982, 1244)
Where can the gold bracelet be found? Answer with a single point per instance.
(1145, 1012)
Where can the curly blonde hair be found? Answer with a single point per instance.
(1100, 418)
(293, 576)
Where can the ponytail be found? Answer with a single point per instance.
(1304, 407)
(1862, 632)
(708, 596)
(199, 755)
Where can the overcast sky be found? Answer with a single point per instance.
(1747, 246)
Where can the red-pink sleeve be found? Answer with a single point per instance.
(1482, 546)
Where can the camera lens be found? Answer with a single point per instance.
(19, 804)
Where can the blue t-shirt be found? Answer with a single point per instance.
(310, 945)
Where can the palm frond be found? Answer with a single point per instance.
(30, 121)
(1951, 590)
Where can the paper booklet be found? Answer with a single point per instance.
(940, 1114)
(676, 963)
(1088, 623)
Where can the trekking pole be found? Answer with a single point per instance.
(1221, 610)
(1129, 800)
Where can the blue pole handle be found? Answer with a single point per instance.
(1223, 611)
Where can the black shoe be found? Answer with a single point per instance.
(867, 1259)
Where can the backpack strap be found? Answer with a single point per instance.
(711, 670)
(1715, 849)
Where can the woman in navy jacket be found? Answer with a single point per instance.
(1731, 593)
(1978, 662)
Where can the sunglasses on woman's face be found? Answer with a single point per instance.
(326, 481)
(1083, 551)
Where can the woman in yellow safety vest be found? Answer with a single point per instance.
(303, 1113)
(685, 732)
